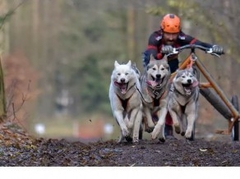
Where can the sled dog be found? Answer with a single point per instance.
(154, 88)
(125, 100)
(183, 101)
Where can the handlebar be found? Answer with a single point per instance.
(193, 47)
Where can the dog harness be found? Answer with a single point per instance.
(124, 102)
(173, 89)
(156, 96)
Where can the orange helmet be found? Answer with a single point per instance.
(170, 23)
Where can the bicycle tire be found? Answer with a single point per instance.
(235, 129)
(216, 102)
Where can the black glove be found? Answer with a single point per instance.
(217, 49)
(166, 49)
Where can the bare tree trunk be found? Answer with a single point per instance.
(35, 31)
(131, 32)
(3, 111)
(3, 42)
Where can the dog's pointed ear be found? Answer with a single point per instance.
(179, 73)
(190, 69)
(134, 64)
(116, 64)
(152, 58)
(165, 58)
(129, 63)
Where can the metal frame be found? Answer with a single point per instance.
(192, 58)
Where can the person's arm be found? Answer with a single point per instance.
(153, 45)
(185, 39)
(152, 48)
(204, 44)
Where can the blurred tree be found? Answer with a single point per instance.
(74, 44)
(131, 21)
(3, 111)
(5, 14)
(3, 17)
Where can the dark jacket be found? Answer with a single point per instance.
(155, 44)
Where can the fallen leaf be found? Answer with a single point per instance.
(203, 150)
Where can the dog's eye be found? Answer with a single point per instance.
(162, 69)
(183, 76)
(119, 74)
(126, 74)
(154, 68)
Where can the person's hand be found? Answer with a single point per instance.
(166, 49)
(217, 49)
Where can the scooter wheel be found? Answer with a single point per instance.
(235, 129)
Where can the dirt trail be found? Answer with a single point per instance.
(20, 149)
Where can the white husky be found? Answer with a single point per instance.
(126, 101)
(183, 100)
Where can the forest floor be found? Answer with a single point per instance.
(17, 148)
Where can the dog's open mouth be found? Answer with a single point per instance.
(155, 82)
(189, 86)
(122, 87)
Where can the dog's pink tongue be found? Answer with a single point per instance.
(152, 83)
(123, 88)
(123, 91)
(195, 83)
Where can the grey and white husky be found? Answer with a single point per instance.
(154, 87)
(125, 100)
(183, 101)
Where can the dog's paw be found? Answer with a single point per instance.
(162, 139)
(135, 140)
(188, 134)
(154, 134)
(129, 139)
(149, 129)
(120, 139)
(177, 129)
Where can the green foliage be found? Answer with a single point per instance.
(91, 46)
(4, 18)
(95, 31)
(93, 94)
(180, 7)
(75, 43)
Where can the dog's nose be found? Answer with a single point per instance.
(158, 76)
(189, 81)
(122, 80)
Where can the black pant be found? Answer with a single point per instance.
(173, 64)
